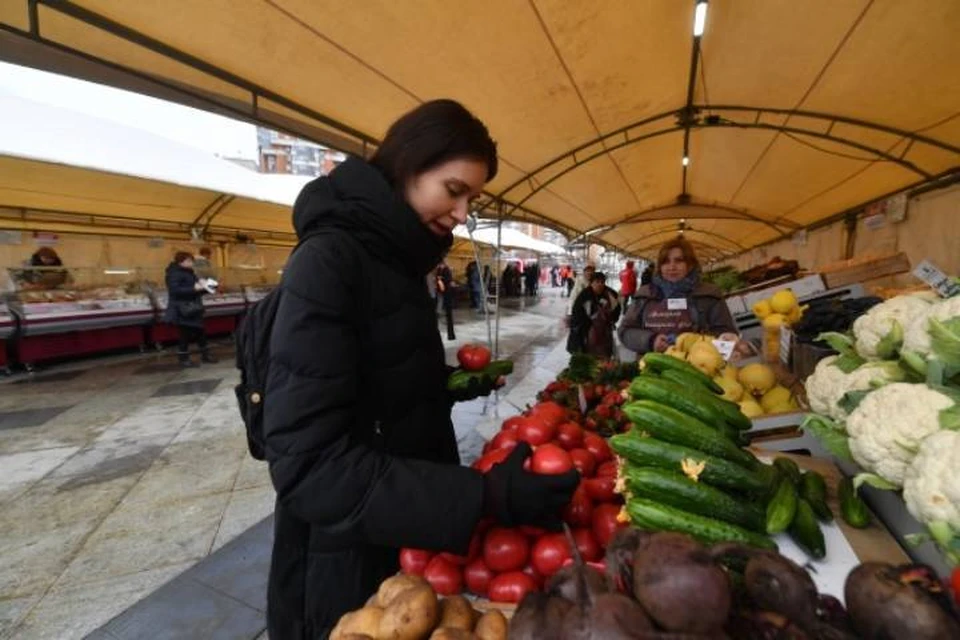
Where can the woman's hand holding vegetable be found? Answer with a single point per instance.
(516, 497)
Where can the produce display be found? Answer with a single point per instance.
(890, 402)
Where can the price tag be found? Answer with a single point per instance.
(786, 340)
(676, 304)
(937, 279)
(725, 347)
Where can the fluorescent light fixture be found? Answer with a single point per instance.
(699, 19)
(116, 272)
(685, 161)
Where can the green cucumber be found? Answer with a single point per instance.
(460, 379)
(670, 425)
(653, 516)
(813, 489)
(789, 468)
(853, 509)
(650, 452)
(729, 411)
(782, 508)
(660, 363)
(805, 530)
(674, 489)
(676, 396)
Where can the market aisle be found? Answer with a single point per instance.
(121, 474)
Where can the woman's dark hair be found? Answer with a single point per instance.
(689, 255)
(45, 252)
(598, 276)
(180, 256)
(431, 134)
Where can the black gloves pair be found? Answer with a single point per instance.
(515, 497)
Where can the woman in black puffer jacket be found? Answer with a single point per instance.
(357, 424)
(185, 308)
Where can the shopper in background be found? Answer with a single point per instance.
(628, 282)
(675, 302)
(357, 427)
(595, 314)
(45, 274)
(579, 284)
(445, 291)
(202, 264)
(476, 287)
(647, 276)
(185, 308)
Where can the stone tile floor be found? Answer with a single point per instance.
(122, 474)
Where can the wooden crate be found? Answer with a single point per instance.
(841, 275)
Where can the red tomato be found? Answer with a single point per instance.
(511, 587)
(584, 461)
(476, 545)
(580, 510)
(486, 462)
(477, 577)
(587, 544)
(569, 435)
(505, 550)
(551, 460)
(535, 431)
(600, 489)
(955, 584)
(549, 553)
(607, 469)
(598, 447)
(414, 561)
(511, 424)
(538, 579)
(605, 523)
(473, 357)
(504, 440)
(550, 412)
(444, 577)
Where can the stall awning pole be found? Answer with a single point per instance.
(498, 276)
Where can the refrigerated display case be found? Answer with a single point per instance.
(8, 327)
(65, 312)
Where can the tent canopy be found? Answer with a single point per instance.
(789, 113)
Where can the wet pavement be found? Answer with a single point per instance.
(131, 509)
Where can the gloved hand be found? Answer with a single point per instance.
(477, 386)
(516, 497)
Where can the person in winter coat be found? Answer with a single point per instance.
(579, 284)
(476, 287)
(628, 282)
(595, 314)
(357, 428)
(675, 302)
(185, 308)
(445, 291)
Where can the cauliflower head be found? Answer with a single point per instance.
(916, 336)
(931, 484)
(886, 429)
(879, 331)
(827, 384)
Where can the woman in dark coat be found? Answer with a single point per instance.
(675, 302)
(357, 425)
(185, 308)
(593, 316)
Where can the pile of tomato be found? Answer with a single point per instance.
(503, 564)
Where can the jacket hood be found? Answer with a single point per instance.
(356, 198)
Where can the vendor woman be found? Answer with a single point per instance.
(675, 302)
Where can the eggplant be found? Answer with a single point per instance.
(883, 607)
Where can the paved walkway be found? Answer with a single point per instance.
(124, 477)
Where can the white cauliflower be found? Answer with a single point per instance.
(827, 384)
(931, 484)
(886, 429)
(879, 332)
(916, 336)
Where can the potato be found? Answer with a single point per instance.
(492, 625)
(456, 613)
(450, 633)
(395, 585)
(412, 615)
(364, 621)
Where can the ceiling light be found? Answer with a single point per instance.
(685, 161)
(699, 19)
(116, 272)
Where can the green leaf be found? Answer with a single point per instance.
(890, 344)
(914, 365)
(852, 399)
(874, 481)
(947, 538)
(849, 362)
(830, 434)
(945, 340)
(839, 342)
(917, 539)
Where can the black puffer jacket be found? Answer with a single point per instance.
(181, 287)
(362, 450)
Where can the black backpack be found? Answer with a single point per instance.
(252, 341)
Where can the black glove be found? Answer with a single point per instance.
(516, 497)
(477, 386)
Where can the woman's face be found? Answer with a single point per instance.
(187, 263)
(675, 268)
(441, 196)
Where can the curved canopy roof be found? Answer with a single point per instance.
(789, 112)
